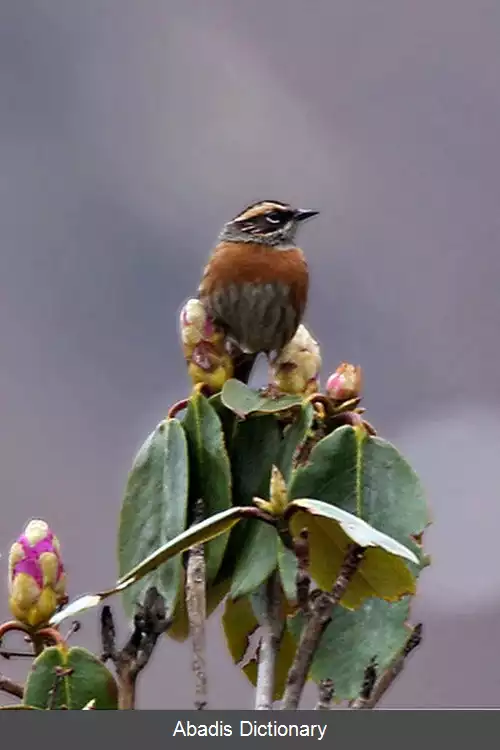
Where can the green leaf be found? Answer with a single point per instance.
(196, 534)
(378, 629)
(254, 548)
(210, 471)
(258, 559)
(356, 529)
(154, 511)
(287, 566)
(77, 677)
(227, 417)
(243, 401)
(294, 436)
(252, 551)
(367, 477)
(240, 623)
(254, 448)
(381, 572)
(199, 533)
(19, 707)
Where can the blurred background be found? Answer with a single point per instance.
(129, 132)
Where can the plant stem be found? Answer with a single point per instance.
(272, 629)
(369, 681)
(60, 674)
(11, 625)
(4, 654)
(196, 611)
(41, 638)
(302, 578)
(394, 669)
(326, 691)
(11, 687)
(150, 622)
(322, 605)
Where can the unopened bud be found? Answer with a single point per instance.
(210, 366)
(296, 369)
(195, 326)
(278, 490)
(37, 582)
(345, 383)
(278, 495)
(204, 346)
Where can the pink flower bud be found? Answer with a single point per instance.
(211, 366)
(204, 347)
(193, 320)
(345, 383)
(37, 582)
(196, 326)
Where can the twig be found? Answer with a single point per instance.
(302, 578)
(303, 452)
(37, 638)
(184, 403)
(15, 654)
(108, 635)
(150, 622)
(326, 691)
(196, 610)
(353, 419)
(177, 407)
(272, 626)
(322, 605)
(11, 687)
(40, 638)
(75, 627)
(8, 627)
(369, 680)
(391, 673)
(59, 674)
(252, 512)
(324, 401)
(51, 635)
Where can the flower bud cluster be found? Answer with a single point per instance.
(37, 581)
(296, 369)
(204, 347)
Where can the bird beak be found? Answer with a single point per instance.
(304, 213)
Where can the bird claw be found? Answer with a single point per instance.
(271, 391)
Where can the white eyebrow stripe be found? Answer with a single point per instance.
(261, 208)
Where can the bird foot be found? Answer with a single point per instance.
(271, 391)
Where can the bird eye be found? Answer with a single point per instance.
(274, 217)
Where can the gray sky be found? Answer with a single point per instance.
(129, 132)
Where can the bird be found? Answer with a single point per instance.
(255, 285)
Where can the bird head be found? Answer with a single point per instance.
(267, 222)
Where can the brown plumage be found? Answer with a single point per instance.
(256, 283)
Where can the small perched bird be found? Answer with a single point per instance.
(256, 283)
